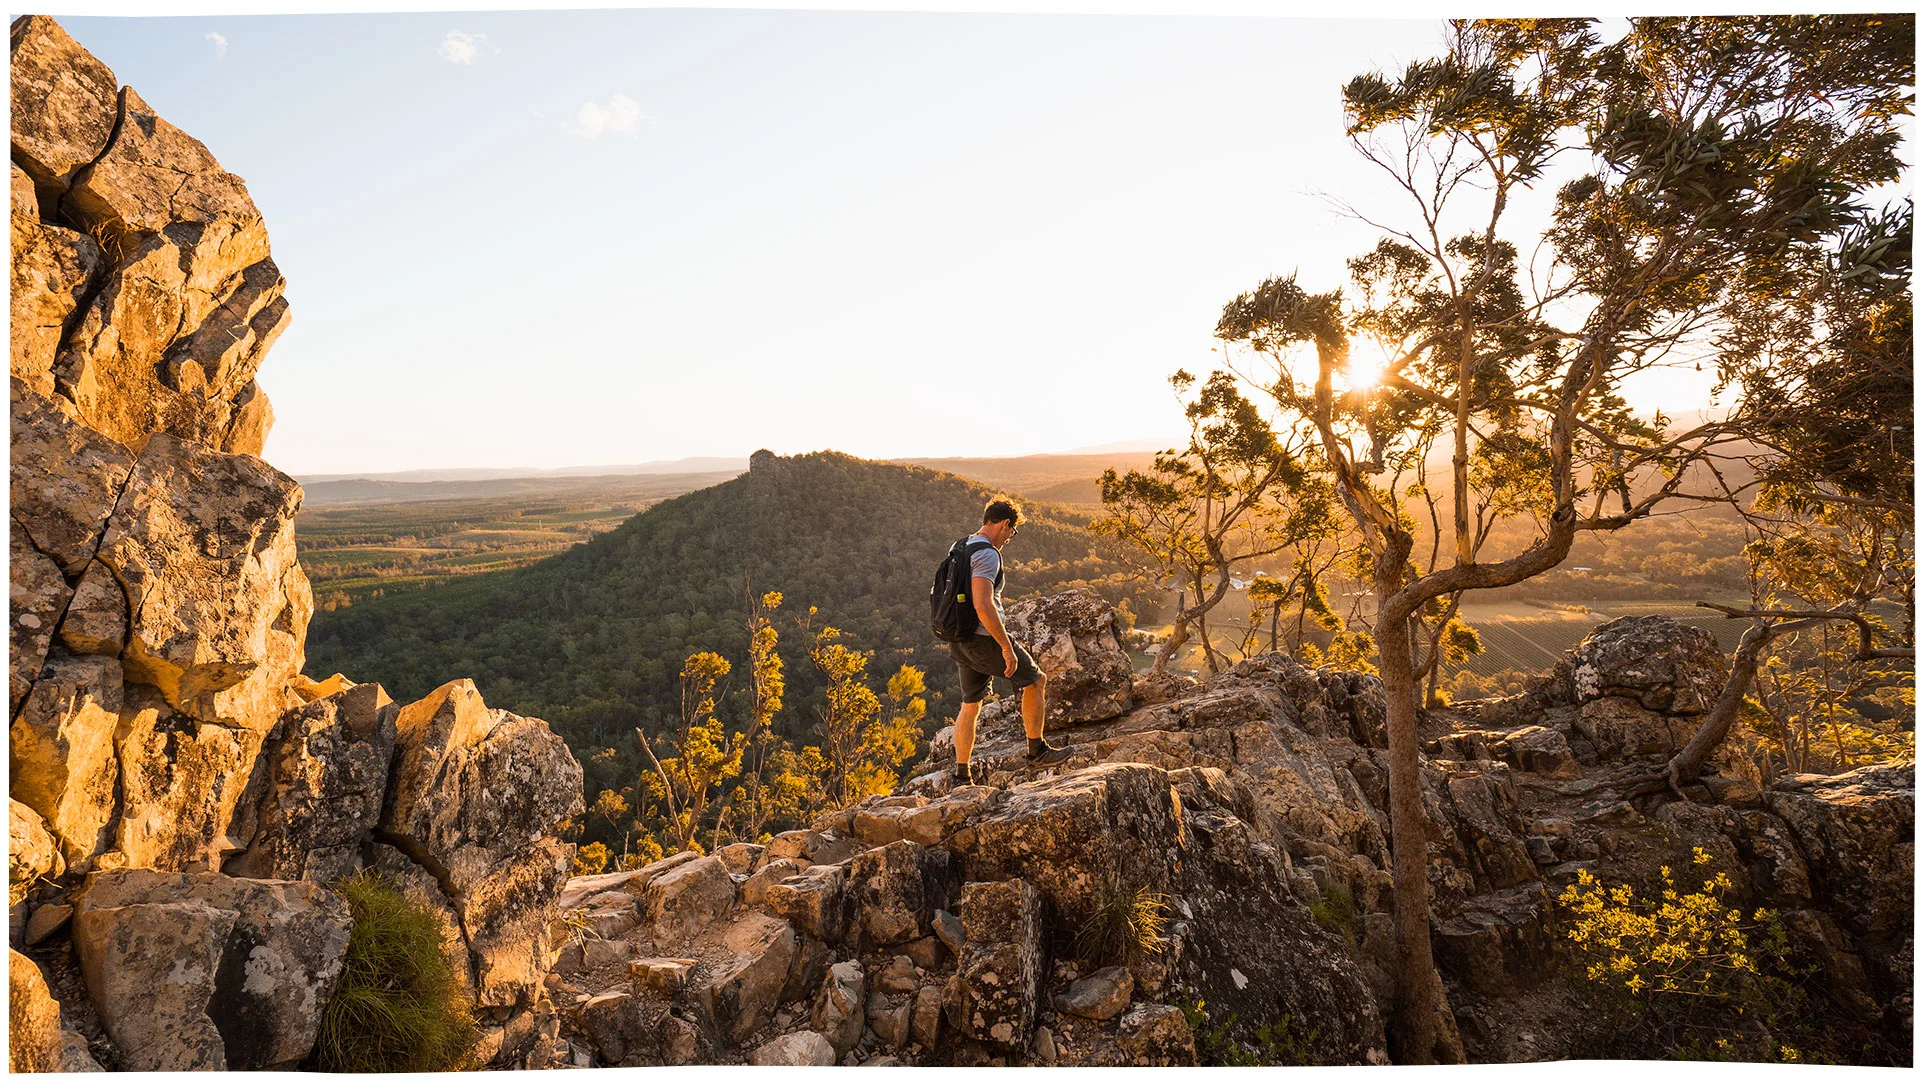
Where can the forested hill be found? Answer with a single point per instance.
(593, 638)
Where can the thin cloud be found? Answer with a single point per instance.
(621, 114)
(459, 47)
(219, 44)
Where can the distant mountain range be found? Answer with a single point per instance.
(1058, 478)
(646, 487)
(428, 476)
(1074, 462)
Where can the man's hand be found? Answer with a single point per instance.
(1013, 660)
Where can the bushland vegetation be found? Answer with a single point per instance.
(1679, 970)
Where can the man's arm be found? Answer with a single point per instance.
(989, 613)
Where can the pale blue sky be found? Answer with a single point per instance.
(563, 238)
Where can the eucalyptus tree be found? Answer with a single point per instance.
(1234, 495)
(1826, 357)
(1697, 161)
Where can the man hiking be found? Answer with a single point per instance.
(991, 652)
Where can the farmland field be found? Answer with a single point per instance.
(361, 539)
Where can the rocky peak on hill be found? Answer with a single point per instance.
(950, 926)
(181, 792)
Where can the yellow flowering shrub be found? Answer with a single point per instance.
(1699, 975)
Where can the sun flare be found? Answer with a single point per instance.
(1365, 365)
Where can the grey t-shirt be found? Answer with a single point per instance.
(986, 564)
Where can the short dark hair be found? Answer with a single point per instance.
(1000, 510)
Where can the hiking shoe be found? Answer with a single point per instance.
(962, 775)
(1042, 752)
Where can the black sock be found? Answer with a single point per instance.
(962, 772)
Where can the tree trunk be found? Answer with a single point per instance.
(1206, 643)
(1416, 1010)
(1433, 673)
(1176, 637)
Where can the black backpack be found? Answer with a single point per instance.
(954, 618)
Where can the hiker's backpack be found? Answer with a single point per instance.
(954, 618)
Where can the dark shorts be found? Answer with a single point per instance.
(980, 659)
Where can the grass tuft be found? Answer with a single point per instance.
(399, 1006)
(1127, 922)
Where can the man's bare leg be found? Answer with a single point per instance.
(1033, 715)
(1033, 710)
(963, 732)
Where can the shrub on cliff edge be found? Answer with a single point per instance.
(399, 1006)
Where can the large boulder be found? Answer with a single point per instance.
(813, 900)
(322, 780)
(840, 1009)
(894, 891)
(473, 798)
(182, 782)
(1156, 1035)
(798, 1048)
(473, 787)
(1079, 837)
(994, 995)
(1856, 829)
(1621, 727)
(198, 971)
(1074, 637)
(621, 1029)
(63, 754)
(65, 102)
(1102, 995)
(508, 917)
(1665, 666)
(687, 899)
(34, 1038)
(202, 543)
(66, 479)
(741, 992)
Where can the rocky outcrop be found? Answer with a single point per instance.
(201, 544)
(1074, 637)
(1247, 817)
(1661, 665)
(182, 299)
(175, 777)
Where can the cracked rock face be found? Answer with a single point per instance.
(159, 719)
(202, 544)
(197, 971)
(324, 776)
(150, 296)
(63, 755)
